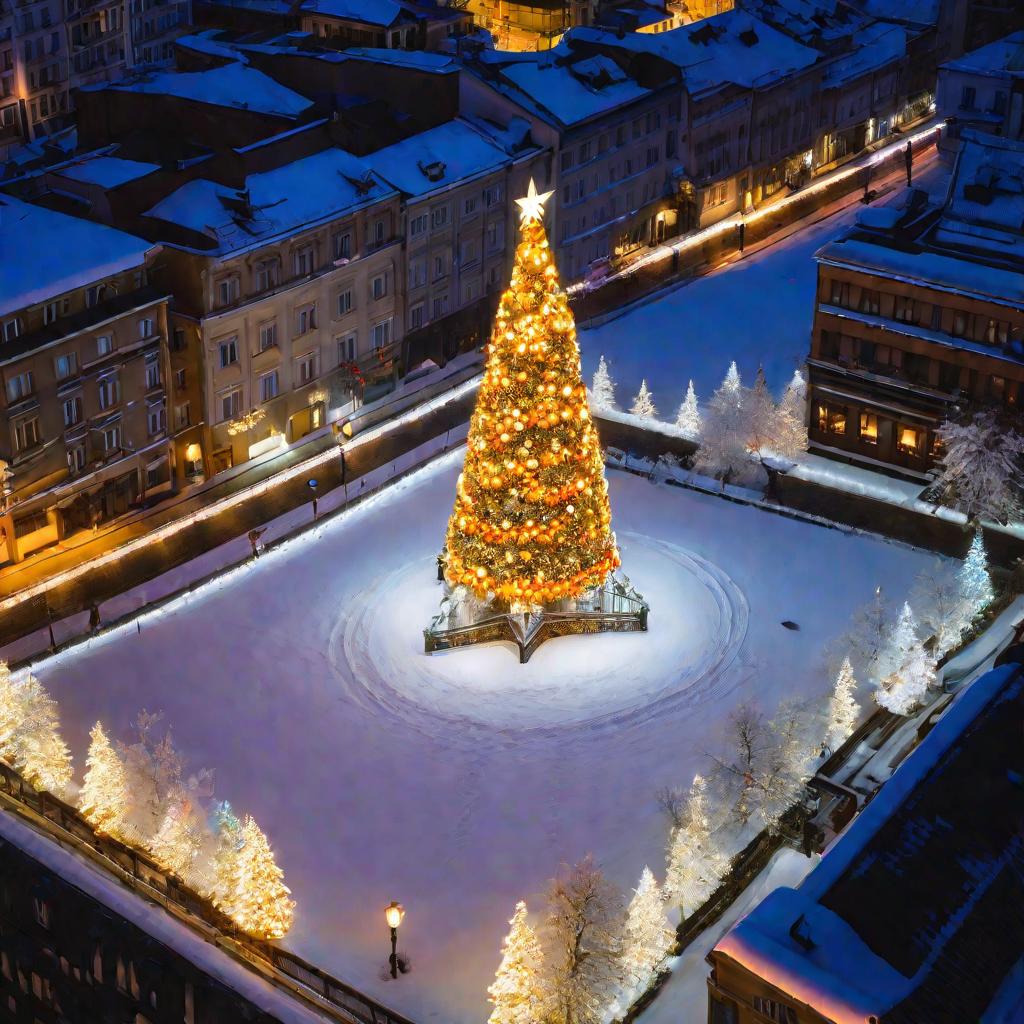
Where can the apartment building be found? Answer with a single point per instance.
(291, 287)
(920, 314)
(531, 25)
(153, 26)
(913, 914)
(984, 90)
(84, 367)
(458, 184)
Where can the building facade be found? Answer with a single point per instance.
(921, 315)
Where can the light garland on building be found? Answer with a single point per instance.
(532, 523)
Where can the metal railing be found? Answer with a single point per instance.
(139, 872)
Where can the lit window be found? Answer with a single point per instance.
(909, 440)
(869, 428)
(831, 419)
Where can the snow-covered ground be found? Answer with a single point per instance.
(457, 784)
(756, 311)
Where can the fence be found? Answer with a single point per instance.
(144, 876)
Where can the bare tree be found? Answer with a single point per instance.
(583, 933)
(672, 802)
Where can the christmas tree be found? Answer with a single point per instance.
(732, 378)
(903, 688)
(104, 795)
(602, 390)
(843, 709)
(974, 582)
(262, 906)
(643, 404)
(30, 737)
(695, 862)
(179, 838)
(688, 418)
(531, 523)
(647, 935)
(518, 993)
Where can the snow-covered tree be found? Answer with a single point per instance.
(224, 863)
(103, 798)
(643, 404)
(647, 935)
(868, 635)
(179, 839)
(794, 398)
(30, 737)
(974, 582)
(602, 391)
(911, 669)
(518, 993)
(843, 710)
(262, 906)
(696, 863)
(732, 380)
(723, 443)
(936, 596)
(772, 429)
(154, 771)
(688, 418)
(980, 469)
(583, 929)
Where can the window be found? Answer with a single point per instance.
(26, 434)
(439, 307)
(227, 291)
(469, 253)
(999, 102)
(156, 419)
(638, 128)
(268, 386)
(182, 415)
(840, 295)
(440, 266)
(417, 273)
(652, 155)
(228, 352)
(230, 404)
(268, 335)
(109, 390)
(344, 302)
(76, 458)
(868, 301)
(72, 410)
(469, 206)
(19, 386)
(112, 440)
(12, 328)
(304, 261)
(869, 428)
(495, 235)
(909, 440)
(831, 419)
(492, 195)
(968, 97)
(343, 245)
(305, 319)
(346, 349)
(307, 368)
(439, 216)
(961, 323)
(104, 344)
(42, 909)
(95, 294)
(55, 309)
(416, 316)
(774, 1010)
(997, 332)
(566, 159)
(153, 475)
(375, 233)
(379, 286)
(620, 135)
(949, 376)
(266, 275)
(417, 225)
(904, 309)
(382, 334)
(153, 375)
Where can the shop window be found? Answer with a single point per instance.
(831, 419)
(869, 428)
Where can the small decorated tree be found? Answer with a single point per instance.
(696, 864)
(602, 391)
(688, 419)
(643, 404)
(843, 710)
(263, 906)
(30, 738)
(904, 688)
(647, 935)
(518, 995)
(732, 380)
(974, 581)
(104, 795)
(723, 443)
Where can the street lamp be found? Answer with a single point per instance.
(393, 914)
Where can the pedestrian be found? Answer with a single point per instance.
(908, 159)
(314, 507)
(254, 540)
(94, 617)
(95, 518)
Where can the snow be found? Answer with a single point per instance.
(369, 12)
(996, 57)
(874, 47)
(457, 784)
(756, 311)
(30, 235)
(108, 171)
(232, 85)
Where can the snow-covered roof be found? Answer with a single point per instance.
(873, 47)
(369, 12)
(732, 47)
(888, 923)
(1004, 58)
(107, 171)
(436, 159)
(422, 60)
(910, 12)
(209, 41)
(30, 236)
(805, 19)
(276, 202)
(233, 85)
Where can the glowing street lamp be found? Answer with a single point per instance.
(393, 914)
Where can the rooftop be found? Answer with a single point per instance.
(913, 915)
(920, 13)
(89, 252)
(370, 12)
(1004, 57)
(873, 47)
(107, 171)
(273, 203)
(232, 85)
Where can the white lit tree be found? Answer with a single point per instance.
(518, 995)
(262, 905)
(688, 419)
(30, 737)
(647, 935)
(974, 582)
(696, 863)
(732, 380)
(980, 469)
(224, 862)
(179, 839)
(602, 391)
(643, 404)
(154, 772)
(103, 798)
(937, 598)
(723, 443)
(788, 763)
(843, 710)
(776, 430)
(904, 687)
(794, 398)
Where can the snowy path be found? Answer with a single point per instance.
(757, 310)
(429, 792)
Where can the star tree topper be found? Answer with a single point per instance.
(531, 206)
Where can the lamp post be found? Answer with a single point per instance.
(393, 914)
(312, 484)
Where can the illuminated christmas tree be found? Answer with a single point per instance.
(262, 906)
(104, 795)
(517, 994)
(532, 523)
